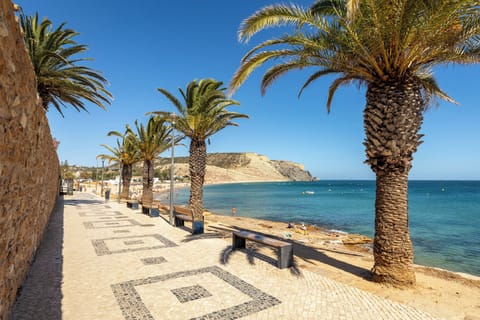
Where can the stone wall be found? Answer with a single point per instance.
(29, 167)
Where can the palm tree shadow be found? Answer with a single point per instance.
(192, 237)
(252, 253)
(301, 252)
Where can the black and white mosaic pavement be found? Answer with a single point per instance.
(190, 293)
(132, 306)
(98, 213)
(132, 242)
(115, 245)
(153, 260)
(109, 224)
(111, 217)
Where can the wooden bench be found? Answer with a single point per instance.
(181, 215)
(284, 249)
(132, 204)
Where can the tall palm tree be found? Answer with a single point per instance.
(126, 155)
(390, 48)
(61, 79)
(202, 113)
(150, 141)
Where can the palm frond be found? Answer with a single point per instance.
(273, 16)
(369, 41)
(61, 79)
(203, 111)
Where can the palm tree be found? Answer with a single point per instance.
(390, 48)
(201, 114)
(150, 141)
(61, 79)
(125, 154)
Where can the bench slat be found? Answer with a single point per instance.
(183, 217)
(182, 210)
(284, 249)
(262, 239)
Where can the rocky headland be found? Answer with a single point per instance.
(242, 167)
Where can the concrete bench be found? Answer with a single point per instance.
(132, 204)
(284, 249)
(181, 215)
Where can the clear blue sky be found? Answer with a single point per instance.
(142, 45)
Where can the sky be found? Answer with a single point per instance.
(143, 45)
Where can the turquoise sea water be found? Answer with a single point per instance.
(444, 215)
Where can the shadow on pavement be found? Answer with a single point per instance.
(40, 296)
(80, 202)
(300, 251)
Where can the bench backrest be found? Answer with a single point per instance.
(183, 210)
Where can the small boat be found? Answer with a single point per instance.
(308, 192)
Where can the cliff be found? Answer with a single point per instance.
(242, 167)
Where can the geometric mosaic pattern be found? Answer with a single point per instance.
(190, 293)
(132, 242)
(132, 307)
(153, 260)
(121, 231)
(118, 244)
(99, 213)
(107, 224)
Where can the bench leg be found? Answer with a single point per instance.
(285, 257)
(197, 226)
(179, 222)
(154, 212)
(238, 242)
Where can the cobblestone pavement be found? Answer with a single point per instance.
(102, 260)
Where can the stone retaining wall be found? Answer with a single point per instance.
(29, 167)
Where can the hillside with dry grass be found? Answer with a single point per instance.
(242, 167)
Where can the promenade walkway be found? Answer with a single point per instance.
(101, 260)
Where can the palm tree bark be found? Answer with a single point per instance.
(147, 183)
(126, 179)
(392, 118)
(197, 164)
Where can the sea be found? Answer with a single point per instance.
(444, 216)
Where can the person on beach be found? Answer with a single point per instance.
(234, 211)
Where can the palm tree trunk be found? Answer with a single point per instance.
(126, 179)
(197, 164)
(147, 183)
(392, 118)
